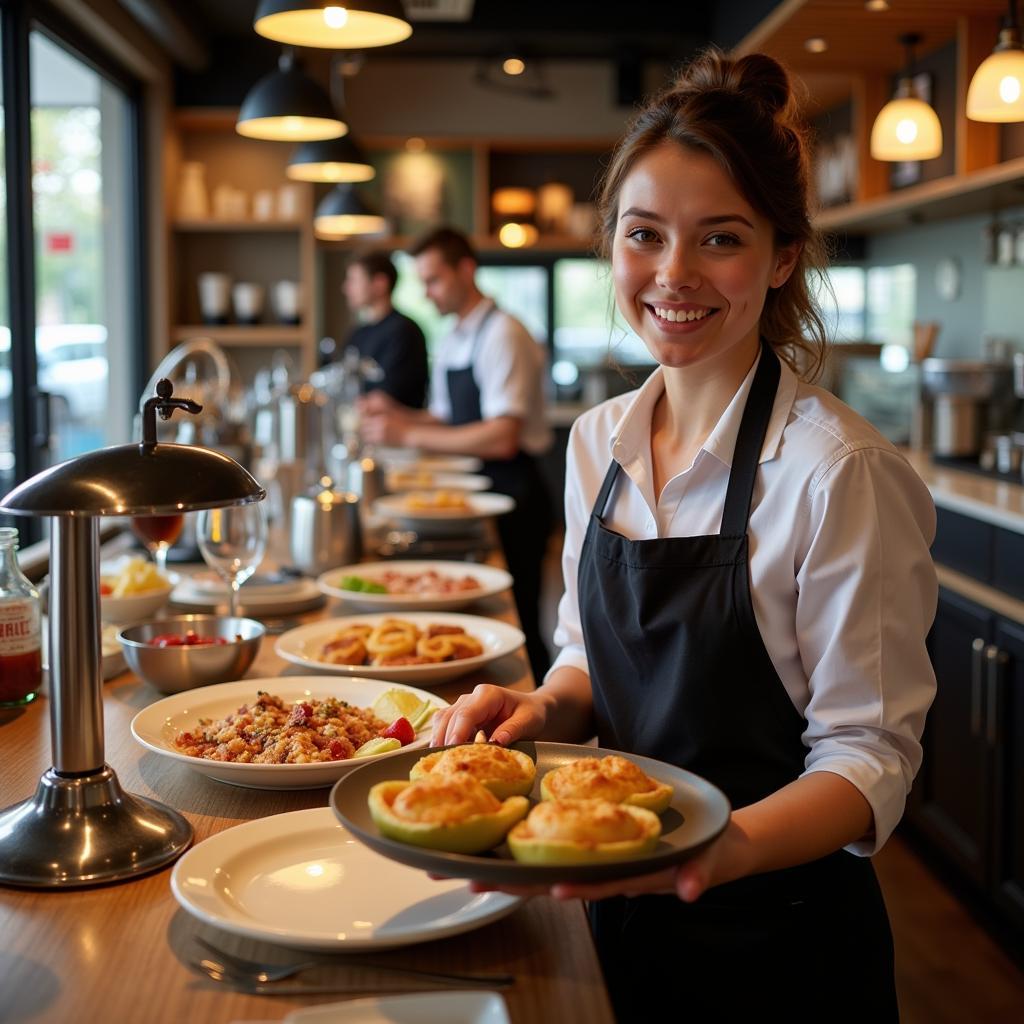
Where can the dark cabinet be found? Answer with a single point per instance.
(968, 801)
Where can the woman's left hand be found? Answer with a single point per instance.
(723, 861)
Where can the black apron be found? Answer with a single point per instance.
(524, 531)
(680, 673)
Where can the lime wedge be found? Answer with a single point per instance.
(423, 715)
(378, 745)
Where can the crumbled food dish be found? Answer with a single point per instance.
(398, 642)
(270, 732)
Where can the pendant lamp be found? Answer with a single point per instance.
(996, 92)
(333, 160)
(343, 212)
(288, 106)
(356, 25)
(906, 128)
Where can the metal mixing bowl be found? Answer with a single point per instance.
(185, 667)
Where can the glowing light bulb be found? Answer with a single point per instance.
(513, 66)
(335, 17)
(1009, 89)
(906, 131)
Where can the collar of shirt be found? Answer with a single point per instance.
(630, 443)
(470, 323)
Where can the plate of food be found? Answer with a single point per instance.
(441, 512)
(419, 648)
(416, 586)
(533, 813)
(290, 732)
(200, 591)
(299, 879)
(405, 479)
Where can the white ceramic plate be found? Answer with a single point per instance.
(156, 726)
(410, 459)
(302, 646)
(304, 597)
(442, 522)
(299, 879)
(400, 479)
(492, 581)
(415, 1008)
(261, 585)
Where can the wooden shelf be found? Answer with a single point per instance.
(986, 190)
(197, 226)
(241, 334)
(482, 243)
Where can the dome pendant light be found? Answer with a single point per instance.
(906, 128)
(996, 92)
(343, 212)
(288, 106)
(333, 160)
(354, 26)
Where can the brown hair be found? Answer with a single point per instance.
(377, 262)
(743, 113)
(453, 246)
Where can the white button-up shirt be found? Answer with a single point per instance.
(842, 582)
(508, 367)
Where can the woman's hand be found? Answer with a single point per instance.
(504, 715)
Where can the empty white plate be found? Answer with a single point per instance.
(417, 1008)
(301, 880)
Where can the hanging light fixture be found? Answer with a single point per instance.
(334, 160)
(343, 212)
(906, 128)
(356, 25)
(288, 106)
(996, 92)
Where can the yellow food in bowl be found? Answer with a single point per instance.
(137, 577)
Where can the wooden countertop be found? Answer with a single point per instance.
(123, 953)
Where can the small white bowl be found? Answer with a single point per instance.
(134, 607)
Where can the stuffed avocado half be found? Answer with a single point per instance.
(612, 778)
(505, 772)
(584, 832)
(456, 813)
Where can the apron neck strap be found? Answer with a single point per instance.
(749, 441)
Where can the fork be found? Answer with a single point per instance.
(255, 972)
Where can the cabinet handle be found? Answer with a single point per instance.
(995, 659)
(977, 653)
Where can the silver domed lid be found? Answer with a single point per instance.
(138, 479)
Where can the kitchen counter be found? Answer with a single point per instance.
(126, 952)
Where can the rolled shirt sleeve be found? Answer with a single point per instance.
(867, 595)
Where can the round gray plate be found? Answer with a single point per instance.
(698, 813)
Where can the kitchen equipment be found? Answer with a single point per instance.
(81, 828)
(188, 666)
(247, 299)
(285, 297)
(325, 530)
(214, 297)
(965, 398)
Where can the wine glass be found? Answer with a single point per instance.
(158, 533)
(232, 541)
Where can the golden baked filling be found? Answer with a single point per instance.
(443, 800)
(481, 760)
(608, 778)
(580, 821)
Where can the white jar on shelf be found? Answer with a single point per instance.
(192, 200)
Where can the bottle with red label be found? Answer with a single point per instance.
(21, 648)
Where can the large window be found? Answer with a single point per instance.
(6, 415)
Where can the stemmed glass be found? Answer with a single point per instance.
(233, 541)
(158, 533)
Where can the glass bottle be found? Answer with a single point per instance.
(21, 662)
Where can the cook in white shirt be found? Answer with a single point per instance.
(748, 583)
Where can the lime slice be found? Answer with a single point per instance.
(378, 745)
(423, 715)
(392, 704)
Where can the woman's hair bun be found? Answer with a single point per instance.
(756, 78)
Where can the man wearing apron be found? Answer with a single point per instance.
(486, 399)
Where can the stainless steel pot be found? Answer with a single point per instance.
(325, 531)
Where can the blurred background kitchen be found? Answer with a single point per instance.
(147, 230)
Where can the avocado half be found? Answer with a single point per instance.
(474, 834)
(501, 788)
(656, 800)
(530, 849)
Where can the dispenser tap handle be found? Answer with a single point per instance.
(164, 404)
